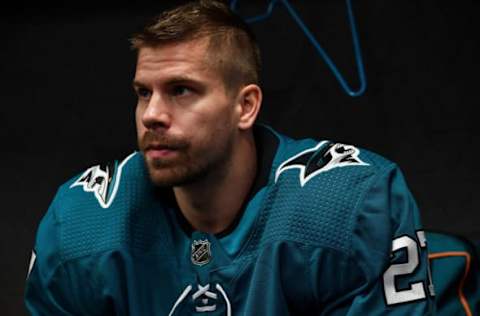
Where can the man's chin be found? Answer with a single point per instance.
(173, 175)
(178, 172)
(166, 177)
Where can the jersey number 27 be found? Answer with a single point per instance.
(416, 290)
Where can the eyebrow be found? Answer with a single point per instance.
(171, 81)
(136, 84)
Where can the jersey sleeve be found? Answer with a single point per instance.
(54, 287)
(386, 271)
(47, 291)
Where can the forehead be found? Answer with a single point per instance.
(188, 58)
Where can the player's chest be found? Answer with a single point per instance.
(206, 282)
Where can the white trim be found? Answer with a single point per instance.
(331, 165)
(229, 307)
(98, 194)
(301, 167)
(180, 299)
(203, 290)
(33, 258)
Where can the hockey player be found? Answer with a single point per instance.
(217, 215)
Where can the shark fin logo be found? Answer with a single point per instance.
(323, 157)
(102, 181)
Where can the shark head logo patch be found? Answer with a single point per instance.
(323, 157)
(97, 179)
(102, 180)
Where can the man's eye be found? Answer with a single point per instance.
(143, 93)
(179, 91)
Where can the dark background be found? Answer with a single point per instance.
(67, 103)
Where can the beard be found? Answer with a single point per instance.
(188, 164)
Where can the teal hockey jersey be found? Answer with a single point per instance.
(327, 229)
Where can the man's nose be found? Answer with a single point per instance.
(157, 114)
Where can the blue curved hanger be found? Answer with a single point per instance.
(316, 44)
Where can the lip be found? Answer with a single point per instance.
(159, 152)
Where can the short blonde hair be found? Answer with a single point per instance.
(232, 49)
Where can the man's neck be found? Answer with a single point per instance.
(212, 204)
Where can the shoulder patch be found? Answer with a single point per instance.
(103, 181)
(323, 157)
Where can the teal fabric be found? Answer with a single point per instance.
(320, 247)
(448, 271)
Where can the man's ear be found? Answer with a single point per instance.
(249, 101)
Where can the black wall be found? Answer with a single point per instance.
(67, 103)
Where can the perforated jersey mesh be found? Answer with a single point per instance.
(322, 212)
(133, 220)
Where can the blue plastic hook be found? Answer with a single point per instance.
(316, 44)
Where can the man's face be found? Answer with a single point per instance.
(185, 119)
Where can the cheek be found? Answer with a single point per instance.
(215, 131)
(212, 126)
(138, 122)
(208, 123)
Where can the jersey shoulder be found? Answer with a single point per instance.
(314, 157)
(317, 189)
(103, 207)
(101, 181)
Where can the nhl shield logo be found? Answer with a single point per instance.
(201, 253)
